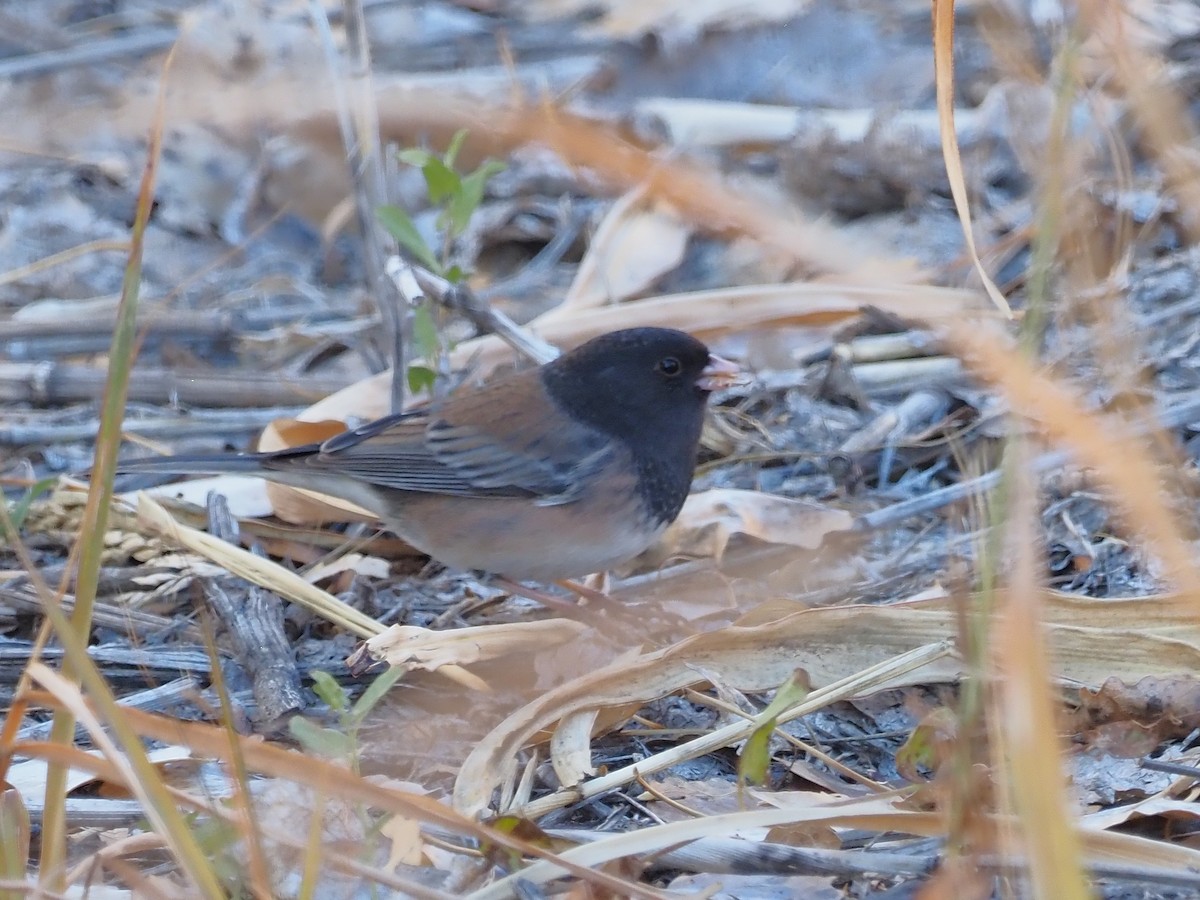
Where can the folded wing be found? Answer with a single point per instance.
(477, 444)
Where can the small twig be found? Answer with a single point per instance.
(1179, 413)
(112, 580)
(50, 383)
(63, 256)
(152, 700)
(1171, 768)
(120, 664)
(463, 300)
(542, 265)
(119, 618)
(123, 46)
(912, 413)
(93, 812)
(902, 376)
(254, 618)
(359, 124)
(875, 444)
(196, 422)
(1103, 870)
(211, 324)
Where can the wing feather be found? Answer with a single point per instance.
(477, 444)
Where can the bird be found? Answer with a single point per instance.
(546, 474)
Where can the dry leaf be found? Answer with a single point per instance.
(1131, 720)
(706, 798)
(263, 572)
(29, 777)
(1158, 805)
(420, 648)
(405, 834)
(1149, 702)
(832, 644)
(710, 519)
(297, 433)
(358, 563)
(632, 248)
(247, 496)
(15, 832)
(570, 748)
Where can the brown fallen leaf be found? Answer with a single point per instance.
(405, 834)
(837, 643)
(419, 648)
(1124, 718)
(711, 519)
(632, 248)
(298, 506)
(296, 433)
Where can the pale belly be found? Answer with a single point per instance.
(522, 541)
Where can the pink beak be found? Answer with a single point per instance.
(719, 374)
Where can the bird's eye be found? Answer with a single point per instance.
(670, 366)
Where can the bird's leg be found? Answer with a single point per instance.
(543, 597)
(608, 615)
(584, 592)
(600, 611)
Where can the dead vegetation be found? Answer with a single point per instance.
(928, 624)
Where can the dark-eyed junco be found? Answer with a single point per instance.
(546, 474)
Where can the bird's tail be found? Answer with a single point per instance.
(275, 466)
(200, 464)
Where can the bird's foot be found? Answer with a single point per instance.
(591, 595)
(536, 594)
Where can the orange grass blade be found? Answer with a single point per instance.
(943, 57)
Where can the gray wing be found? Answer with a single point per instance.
(474, 445)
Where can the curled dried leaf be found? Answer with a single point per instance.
(711, 519)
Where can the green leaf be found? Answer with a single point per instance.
(322, 741)
(216, 837)
(756, 754)
(425, 334)
(415, 158)
(378, 688)
(928, 746)
(456, 142)
(455, 274)
(441, 181)
(791, 693)
(326, 687)
(463, 205)
(404, 230)
(421, 378)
